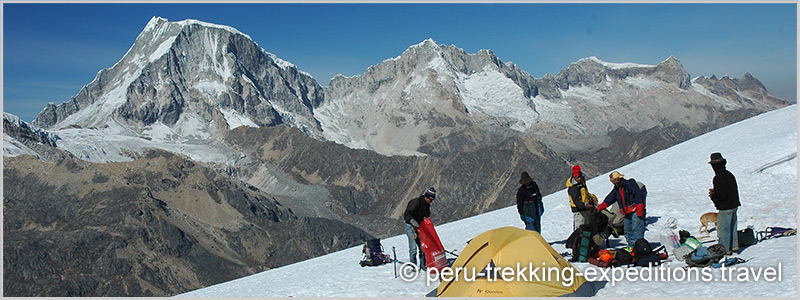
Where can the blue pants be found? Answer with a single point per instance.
(413, 245)
(534, 224)
(634, 228)
(727, 231)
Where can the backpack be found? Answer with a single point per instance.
(746, 237)
(581, 243)
(643, 254)
(624, 257)
(373, 254)
(643, 188)
(704, 257)
(642, 248)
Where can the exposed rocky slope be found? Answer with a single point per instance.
(157, 226)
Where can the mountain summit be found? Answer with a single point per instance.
(191, 79)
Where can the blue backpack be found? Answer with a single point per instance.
(373, 254)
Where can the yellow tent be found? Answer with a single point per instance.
(511, 262)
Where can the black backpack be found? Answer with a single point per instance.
(746, 237)
(624, 257)
(643, 254)
(373, 254)
(642, 248)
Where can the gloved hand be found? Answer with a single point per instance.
(413, 223)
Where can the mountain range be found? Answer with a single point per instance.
(200, 135)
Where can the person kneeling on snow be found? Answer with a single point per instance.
(417, 210)
(627, 193)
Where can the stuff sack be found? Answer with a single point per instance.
(435, 256)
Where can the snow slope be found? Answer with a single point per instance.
(761, 153)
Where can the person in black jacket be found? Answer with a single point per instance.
(725, 196)
(418, 210)
(529, 203)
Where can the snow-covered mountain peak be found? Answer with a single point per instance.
(427, 43)
(610, 65)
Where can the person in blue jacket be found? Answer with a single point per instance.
(529, 203)
(631, 201)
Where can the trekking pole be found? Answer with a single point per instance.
(395, 262)
(456, 255)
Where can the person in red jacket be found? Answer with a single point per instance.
(630, 197)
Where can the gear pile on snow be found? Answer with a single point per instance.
(373, 254)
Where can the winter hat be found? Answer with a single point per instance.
(576, 171)
(430, 193)
(526, 179)
(716, 158)
(615, 175)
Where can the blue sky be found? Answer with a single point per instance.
(50, 51)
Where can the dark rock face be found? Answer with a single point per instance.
(158, 226)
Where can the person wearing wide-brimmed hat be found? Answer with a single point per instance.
(529, 203)
(725, 195)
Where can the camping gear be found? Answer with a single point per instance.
(683, 236)
(435, 256)
(624, 257)
(730, 261)
(642, 248)
(373, 254)
(669, 237)
(681, 252)
(693, 243)
(705, 256)
(644, 255)
(746, 237)
(581, 243)
(588, 237)
(771, 232)
(505, 248)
